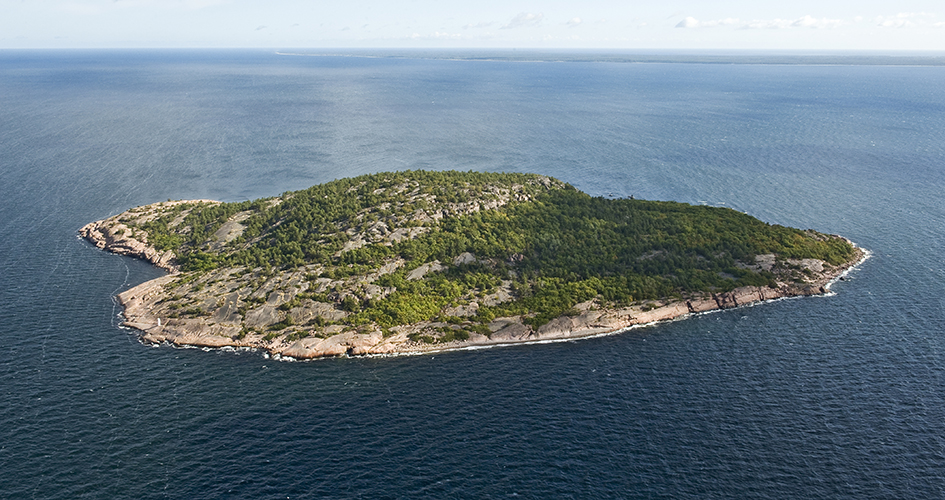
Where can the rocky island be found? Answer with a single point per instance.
(414, 261)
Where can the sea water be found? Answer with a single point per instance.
(822, 397)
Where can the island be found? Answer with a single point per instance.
(414, 261)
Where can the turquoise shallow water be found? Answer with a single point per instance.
(826, 397)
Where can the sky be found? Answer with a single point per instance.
(799, 25)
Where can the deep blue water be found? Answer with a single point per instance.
(827, 397)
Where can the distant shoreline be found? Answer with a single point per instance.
(911, 58)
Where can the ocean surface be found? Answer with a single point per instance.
(825, 397)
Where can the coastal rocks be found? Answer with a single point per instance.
(662, 313)
(309, 312)
(118, 238)
(510, 330)
(195, 338)
(225, 327)
(262, 317)
(337, 345)
(813, 265)
(114, 235)
(726, 300)
(742, 296)
(228, 312)
(701, 305)
(586, 319)
(336, 340)
(138, 300)
(565, 326)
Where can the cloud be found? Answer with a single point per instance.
(768, 24)
(260, 27)
(811, 22)
(691, 22)
(905, 20)
(574, 23)
(802, 22)
(478, 25)
(523, 19)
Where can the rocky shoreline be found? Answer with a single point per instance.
(114, 236)
(590, 322)
(145, 307)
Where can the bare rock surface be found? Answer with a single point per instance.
(113, 235)
(421, 271)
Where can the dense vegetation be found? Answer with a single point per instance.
(552, 245)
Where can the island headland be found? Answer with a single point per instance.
(407, 262)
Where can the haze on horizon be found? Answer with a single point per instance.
(802, 25)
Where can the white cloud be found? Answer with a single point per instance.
(905, 20)
(575, 22)
(478, 25)
(446, 36)
(523, 19)
(802, 22)
(691, 22)
(811, 22)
